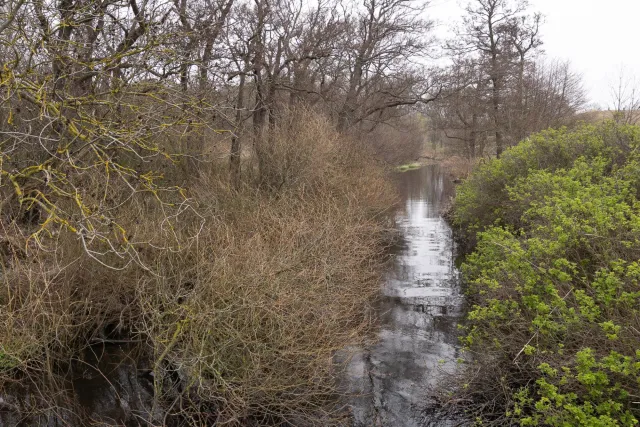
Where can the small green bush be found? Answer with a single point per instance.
(408, 167)
(555, 323)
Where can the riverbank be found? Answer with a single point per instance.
(217, 304)
(552, 332)
(457, 168)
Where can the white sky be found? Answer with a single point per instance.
(598, 37)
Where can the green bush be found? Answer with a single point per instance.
(554, 328)
(484, 198)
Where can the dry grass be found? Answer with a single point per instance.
(457, 167)
(237, 307)
(599, 116)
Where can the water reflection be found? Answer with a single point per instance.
(419, 311)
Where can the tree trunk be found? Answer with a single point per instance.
(497, 122)
(345, 117)
(520, 132)
(260, 109)
(473, 136)
(236, 147)
(259, 120)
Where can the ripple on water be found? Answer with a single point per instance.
(391, 381)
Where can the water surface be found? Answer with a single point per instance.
(393, 380)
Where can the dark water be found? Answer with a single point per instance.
(108, 384)
(393, 380)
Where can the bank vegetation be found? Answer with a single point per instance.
(553, 328)
(191, 220)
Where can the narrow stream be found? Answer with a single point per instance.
(393, 380)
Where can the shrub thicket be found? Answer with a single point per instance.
(554, 327)
(234, 307)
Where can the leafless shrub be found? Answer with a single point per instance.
(626, 98)
(241, 319)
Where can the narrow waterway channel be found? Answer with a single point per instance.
(392, 381)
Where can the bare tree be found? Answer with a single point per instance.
(499, 83)
(462, 114)
(523, 33)
(626, 98)
(553, 94)
(490, 31)
(382, 41)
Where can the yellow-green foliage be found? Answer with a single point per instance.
(555, 321)
(408, 167)
(484, 198)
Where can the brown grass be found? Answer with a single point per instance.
(457, 167)
(598, 116)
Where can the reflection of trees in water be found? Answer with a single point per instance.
(428, 184)
(419, 311)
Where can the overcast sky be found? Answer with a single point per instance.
(598, 37)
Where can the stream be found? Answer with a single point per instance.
(392, 381)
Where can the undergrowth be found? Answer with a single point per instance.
(235, 304)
